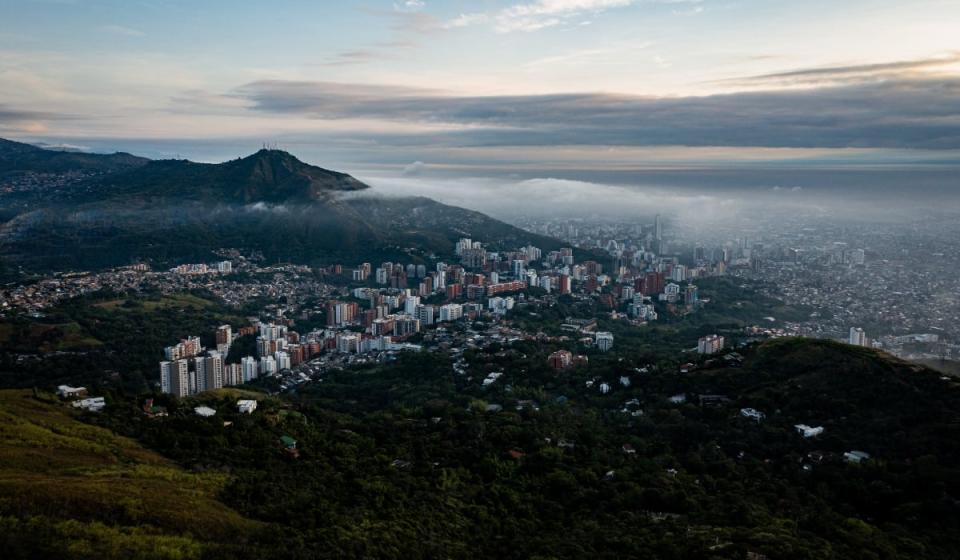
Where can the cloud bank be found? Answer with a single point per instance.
(903, 113)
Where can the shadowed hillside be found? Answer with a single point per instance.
(174, 211)
(69, 488)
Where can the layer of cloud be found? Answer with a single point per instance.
(511, 198)
(922, 113)
(854, 72)
(536, 15)
(16, 120)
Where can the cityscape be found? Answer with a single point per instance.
(513, 279)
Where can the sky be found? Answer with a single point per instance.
(617, 91)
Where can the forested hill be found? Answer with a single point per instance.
(173, 211)
(406, 460)
(16, 157)
(268, 176)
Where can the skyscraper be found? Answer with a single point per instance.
(175, 377)
(213, 371)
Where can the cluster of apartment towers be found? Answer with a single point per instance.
(189, 368)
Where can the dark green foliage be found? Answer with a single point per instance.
(402, 461)
(117, 341)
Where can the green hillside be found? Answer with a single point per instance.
(406, 461)
(73, 490)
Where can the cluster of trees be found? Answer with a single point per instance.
(407, 459)
(110, 339)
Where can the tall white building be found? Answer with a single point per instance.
(519, 268)
(283, 360)
(249, 367)
(198, 377)
(175, 377)
(213, 371)
(410, 305)
(425, 314)
(463, 245)
(679, 273)
(268, 365)
(857, 337)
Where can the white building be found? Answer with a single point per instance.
(857, 337)
(808, 431)
(93, 404)
(410, 305)
(68, 392)
(710, 344)
(268, 365)
(348, 343)
(679, 273)
(249, 367)
(671, 292)
(451, 312)
(500, 305)
(213, 371)
(283, 360)
(245, 406)
(425, 314)
(604, 340)
(175, 377)
(752, 414)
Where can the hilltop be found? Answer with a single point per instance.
(268, 176)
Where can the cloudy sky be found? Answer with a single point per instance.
(580, 89)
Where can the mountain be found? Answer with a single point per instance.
(17, 157)
(174, 210)
(268, 176)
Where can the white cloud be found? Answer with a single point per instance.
(537, 15)
(121, 30)
(510, 198)
(414, 168)
(409, 6)
(541, 14)
(466, 20)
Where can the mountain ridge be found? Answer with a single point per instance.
(19, 157)
(172, 211)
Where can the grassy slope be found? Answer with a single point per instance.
(105, 494)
